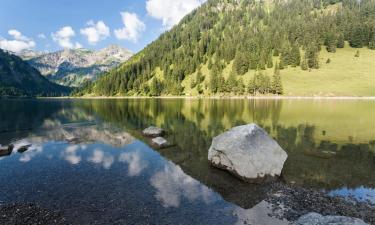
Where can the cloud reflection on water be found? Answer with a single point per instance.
(104, 159)
(135, 163)
(70, 154)
(172, 184)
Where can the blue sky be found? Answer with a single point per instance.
(49, 25)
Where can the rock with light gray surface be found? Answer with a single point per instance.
(247, 152)
(317, 219)
(160, 142)
(153, 132)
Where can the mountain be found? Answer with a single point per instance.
(242, 47)
(72, 67)
(18, 78)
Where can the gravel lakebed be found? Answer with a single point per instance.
(289, 202)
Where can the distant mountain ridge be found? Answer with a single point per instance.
(18, 78)
(73, 67)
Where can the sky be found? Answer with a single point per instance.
(51, 25)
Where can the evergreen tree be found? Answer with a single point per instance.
(340, 41)
(304, 65)
(277, 86)
(251, 86)
(241, 63)
(295, 56)
(231, 82)
(312, 56)
(269, 61)
(330, 42)
(356, 37)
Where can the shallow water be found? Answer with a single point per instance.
(110, 174)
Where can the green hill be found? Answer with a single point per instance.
(242, 47)
(18, 78)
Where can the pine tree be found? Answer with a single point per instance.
(340, 41)
(281, 64)
(356, 37)
(304, 65)
(214, 79)
(241, 63)
(330, 42)
(269, 61)
(277, 86)
(240, 86)
(312, 56)
(231, 82)
(200, 77)
(295, 56)
(193, 82)
(251, 86)
(154, 87)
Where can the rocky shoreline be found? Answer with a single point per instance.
(293, 202)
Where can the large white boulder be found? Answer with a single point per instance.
(317, 219)
(247, 152)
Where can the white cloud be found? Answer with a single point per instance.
(171, 11)
(95, 32)
(42, 36)
(19, 42)
(132, 29)
(63, 38)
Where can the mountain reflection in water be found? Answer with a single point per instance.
(89, 159)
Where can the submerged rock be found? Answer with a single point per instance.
(24, 148)
(160, 142)
(247, 152)
(6, 150)
(317, 219)
(22, 145)
(153, 131)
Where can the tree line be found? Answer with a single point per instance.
(247, 34)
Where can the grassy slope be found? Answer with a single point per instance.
(346, 75)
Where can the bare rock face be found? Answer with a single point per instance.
(317, 219)
(153, 132)
(73, 67)
(247, 152)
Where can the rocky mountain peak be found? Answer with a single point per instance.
(72, 67)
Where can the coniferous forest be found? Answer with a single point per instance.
(215, 45)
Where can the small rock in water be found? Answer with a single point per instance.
(71, 139)
(22, 145)
(24, 148)
(6, 150)
(317, 219)
(160, 142)
(153, 131)
(247, 152)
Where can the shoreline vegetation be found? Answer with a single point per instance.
(219, 97)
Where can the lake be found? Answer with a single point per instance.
(110, 174)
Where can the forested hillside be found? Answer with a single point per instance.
(18, 78)
(242, 47)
